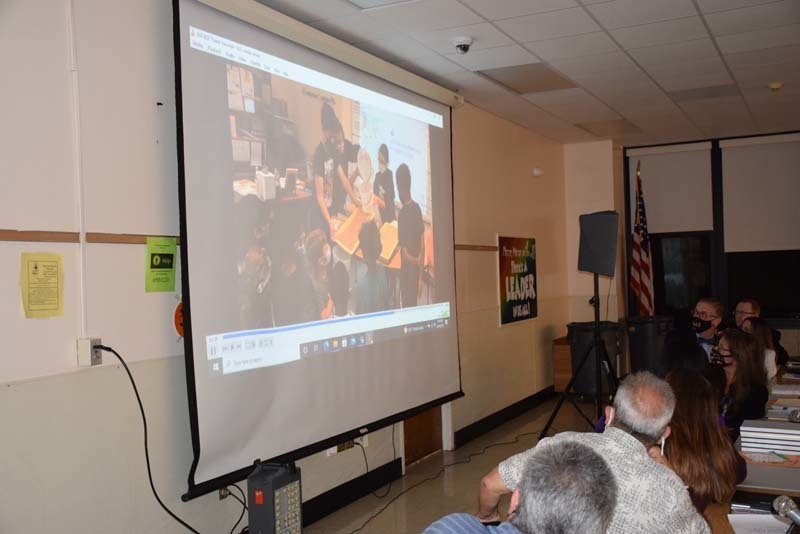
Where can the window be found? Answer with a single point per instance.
(681, 270)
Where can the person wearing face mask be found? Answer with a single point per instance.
(651, 497)
(384, 187)
(688, 345)
(746, 392)
(706, 318)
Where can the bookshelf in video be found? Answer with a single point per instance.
(332, 199)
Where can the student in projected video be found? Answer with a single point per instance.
(384, 186)
(331, 184)
(372, 290)
(255, 303)
(293, 297)
(318, 259)
(410, 233)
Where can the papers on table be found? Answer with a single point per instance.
(758, 524)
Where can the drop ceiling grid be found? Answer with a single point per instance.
(650, 47)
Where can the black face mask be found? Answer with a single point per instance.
(700, 325)
(718, 359)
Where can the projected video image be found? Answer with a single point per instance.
(331, 193)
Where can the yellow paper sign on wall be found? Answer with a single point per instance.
(42, 284)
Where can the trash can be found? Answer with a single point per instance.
(581, 340)
(647, 337)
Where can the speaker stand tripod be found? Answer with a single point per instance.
(602, 365)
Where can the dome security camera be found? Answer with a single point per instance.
(462, 44)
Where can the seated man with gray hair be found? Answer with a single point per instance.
(650, 497)
(558, 494)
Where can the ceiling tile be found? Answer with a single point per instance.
(549, 25)
(632, 100)
(573, 105)
(754, 18)
(396, 48)
(519, 111)
(696, 81)
(674, 53)
(718, 111)
(475, 85)
(311, 10)
(691, 74)
(622, 13)
(613, 67)
(586, 44)
(766, 56)
(673, 126)
(355, 28)
(759, 39)
(761, 75)
(425, 15)
(531, 78)
(710, 6)
(616, 128)
(484, 35)
(506, 9)
(366, 4)
(493, 58)
(705, 93)
(431, 65)
(660, 33)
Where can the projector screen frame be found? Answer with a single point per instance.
(196, 490)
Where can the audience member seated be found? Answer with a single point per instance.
(567, 488)
(689, 345)
(746, 391)
(762, 334)
(706, 318)
(751, 308)
(651, 497)
(698, 448)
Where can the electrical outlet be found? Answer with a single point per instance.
(223, 493)
(349, 444)
(363, 440)
(88, 352)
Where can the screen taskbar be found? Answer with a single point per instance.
(235, 352)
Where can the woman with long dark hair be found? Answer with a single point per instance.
(762, 335)
(698, 448)
(746, 391)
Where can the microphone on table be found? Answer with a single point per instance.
(787, 508)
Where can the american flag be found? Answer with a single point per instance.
(641, 261)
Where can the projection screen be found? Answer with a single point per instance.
(317, 247)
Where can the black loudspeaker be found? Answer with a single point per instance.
(598, 248)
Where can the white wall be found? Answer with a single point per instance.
(495, 192)
(85, 147)
(590, 186)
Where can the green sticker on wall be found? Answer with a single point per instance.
(160, 264)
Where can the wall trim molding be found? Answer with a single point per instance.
(39, 236)
(492, 421)
(120, 239)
